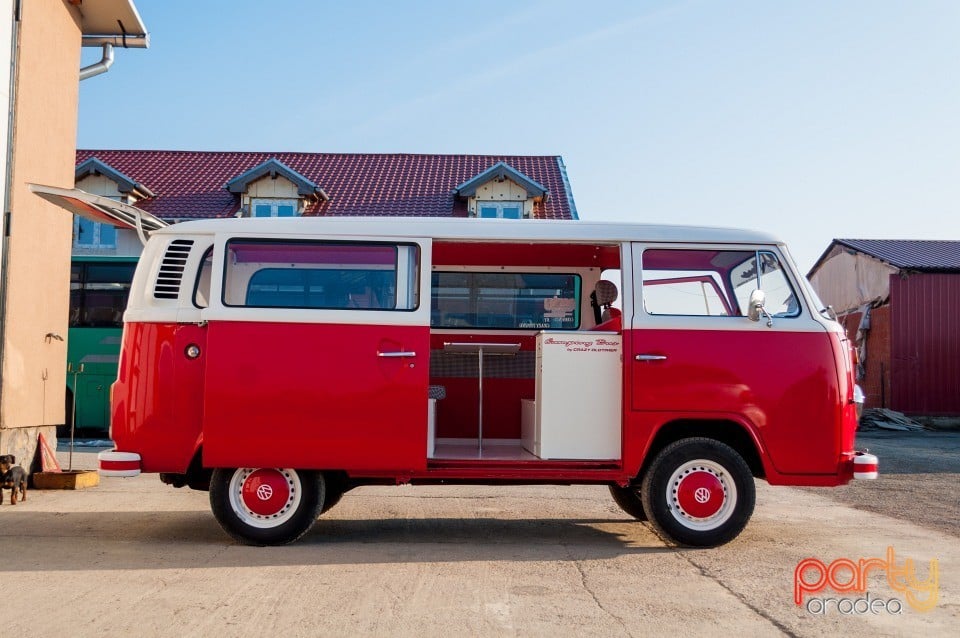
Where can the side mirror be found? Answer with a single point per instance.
(755, 306)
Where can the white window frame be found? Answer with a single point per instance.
(500, 205)
(274, 204)
(97, 226)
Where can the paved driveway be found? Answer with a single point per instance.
(135, 557)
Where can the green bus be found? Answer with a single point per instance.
(99, 287)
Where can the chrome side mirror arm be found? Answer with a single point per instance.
(756, 307)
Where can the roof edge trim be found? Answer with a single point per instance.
(502, 170)
(125, 184)
(272, 168)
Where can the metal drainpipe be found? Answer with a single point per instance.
(99, 67)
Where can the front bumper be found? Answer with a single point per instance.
(114, 463)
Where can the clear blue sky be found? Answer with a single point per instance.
(812, 120)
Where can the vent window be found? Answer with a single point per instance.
(171, 269)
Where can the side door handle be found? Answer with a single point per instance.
(651, 357)
(396, 355)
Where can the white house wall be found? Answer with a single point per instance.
(847, 280)
(100, 185)
(277, 188)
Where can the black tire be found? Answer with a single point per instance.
(629, 500)
(698, 492)
(333, 497)
(266, 506)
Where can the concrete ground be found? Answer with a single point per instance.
(135, 557)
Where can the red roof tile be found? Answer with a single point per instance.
(191, 184)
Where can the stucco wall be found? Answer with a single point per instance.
(6, 35)
(38, 269)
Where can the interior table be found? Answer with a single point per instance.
(461, 347)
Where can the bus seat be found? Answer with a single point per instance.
(606, 292)
(613, 324)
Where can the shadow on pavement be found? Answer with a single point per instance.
(47, 541)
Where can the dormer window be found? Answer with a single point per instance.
(96, 177)
(501, 192)
(270, 207)
(90, 234)
(499, 210)
(273, 189)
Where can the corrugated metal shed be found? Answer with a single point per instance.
(912, 354)
(910, 254)
(925, 344)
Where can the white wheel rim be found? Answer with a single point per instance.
(692, 493)
(266, 485)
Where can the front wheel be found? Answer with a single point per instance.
(698, 492)
(266, 506)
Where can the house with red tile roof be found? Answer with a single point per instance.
(183, 185)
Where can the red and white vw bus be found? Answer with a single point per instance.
(280, 363)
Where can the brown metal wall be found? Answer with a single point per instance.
(925, 344)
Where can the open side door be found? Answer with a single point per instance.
(101, 209)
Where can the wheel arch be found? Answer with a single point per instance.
(737, 435)
(196, 476)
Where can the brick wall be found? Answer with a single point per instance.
(876, 380)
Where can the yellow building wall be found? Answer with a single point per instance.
(38, 255)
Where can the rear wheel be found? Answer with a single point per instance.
(698, 492)
(629, 500)
(266, 506)
(333, 497)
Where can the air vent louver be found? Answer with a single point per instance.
(171, 269)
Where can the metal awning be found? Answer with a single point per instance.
(101, 209)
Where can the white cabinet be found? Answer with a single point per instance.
(578, 402)
(528, 425)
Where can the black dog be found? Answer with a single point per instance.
(13, 478)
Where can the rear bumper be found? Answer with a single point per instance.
(114, 463)
(865, 466)
(850, 466)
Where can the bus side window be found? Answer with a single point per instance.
(201, 292)
(267, 273)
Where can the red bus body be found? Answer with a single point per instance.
(239, 367)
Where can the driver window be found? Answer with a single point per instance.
(706, 282)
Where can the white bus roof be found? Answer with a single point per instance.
(470, 229)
